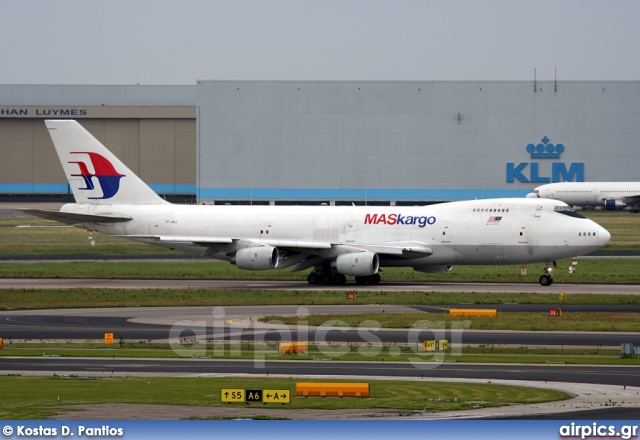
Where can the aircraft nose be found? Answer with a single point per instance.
(531, 196)
(603, 236)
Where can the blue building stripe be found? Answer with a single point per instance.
(178, 188)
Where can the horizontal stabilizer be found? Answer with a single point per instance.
(71, 218)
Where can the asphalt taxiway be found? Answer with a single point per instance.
(240, 323)
(387, 286)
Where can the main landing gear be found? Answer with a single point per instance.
(369, 279)
(328, 277)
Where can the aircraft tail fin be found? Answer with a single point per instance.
(95, 174)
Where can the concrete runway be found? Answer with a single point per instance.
(56, 283)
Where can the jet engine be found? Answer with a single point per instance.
(358, 264)
(433, 269)
(613, 204)
(257, 258)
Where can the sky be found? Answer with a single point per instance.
(179, 42)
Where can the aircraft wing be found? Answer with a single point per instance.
(237, 243)
(626, 197)
(73, 219)
(632, 199)
(296, 251)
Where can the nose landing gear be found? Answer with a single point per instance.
(547, 278)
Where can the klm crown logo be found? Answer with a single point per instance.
(545, 150)
(545, 172)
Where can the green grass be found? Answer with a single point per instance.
(96, 297)
(37, 397)
(521, 321)
(623, 226)
(607, 271)
(414, 353)
(25, 235)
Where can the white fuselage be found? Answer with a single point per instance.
(591, 193)
(492, 232)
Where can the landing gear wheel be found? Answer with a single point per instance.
(338, 278)
(546, 280)
(371, 279)
(325, 279)
(361, 280)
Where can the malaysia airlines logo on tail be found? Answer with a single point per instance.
(108, 177)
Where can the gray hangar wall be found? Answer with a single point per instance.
(152, 129)
(410, 141)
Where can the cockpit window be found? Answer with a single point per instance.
(567, 210)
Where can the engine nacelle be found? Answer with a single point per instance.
(257, 258)
(358, 264)
(433, 269)
(613, 204)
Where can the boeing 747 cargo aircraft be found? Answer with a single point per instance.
(334, 242)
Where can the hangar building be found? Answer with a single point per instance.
(151, 128)
(409, 142)
(331, 142)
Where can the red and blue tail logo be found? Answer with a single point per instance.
(108, 177)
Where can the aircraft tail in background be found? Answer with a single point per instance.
(95, 175)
